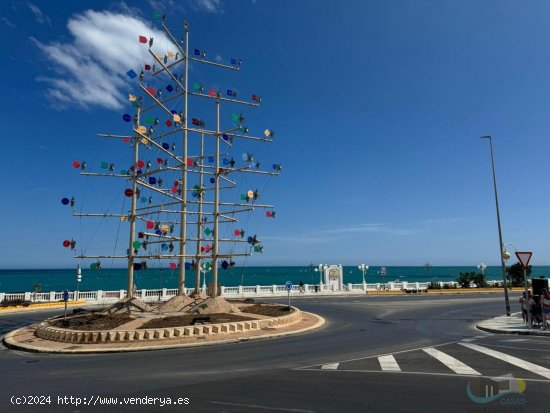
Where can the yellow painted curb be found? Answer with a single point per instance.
(41, 305)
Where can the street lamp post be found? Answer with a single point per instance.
(320, 270)
(364, 269)
(482, 267)
(78, 280)
(503, 264)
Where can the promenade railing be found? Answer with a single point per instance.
(246, 291)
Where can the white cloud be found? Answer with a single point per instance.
(209, 6)
(8, 23)
(91, 69)
(369, 228)
(38, 15)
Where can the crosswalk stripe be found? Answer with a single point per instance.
(388, 363)
(330, 366)
(533, 368)
(455, 365)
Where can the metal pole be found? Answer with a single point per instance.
(199, 222)
(130, 286)
(503, 264)
(216, 206)
(183, 225)
(525, 282)
(288, 300)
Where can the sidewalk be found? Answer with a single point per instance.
(510, 325)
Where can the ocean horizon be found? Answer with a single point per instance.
(23, 280)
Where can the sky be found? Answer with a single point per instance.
(378, 109)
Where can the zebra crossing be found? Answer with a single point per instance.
(463, 358)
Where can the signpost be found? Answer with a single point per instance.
(65, 298)
(288, 289)
(524, 258)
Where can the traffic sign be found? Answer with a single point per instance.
(65, 296)
(289, 285)
(524, 257)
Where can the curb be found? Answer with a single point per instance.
(495, 330)
(39, 306)
(517, 333)
(11, 344)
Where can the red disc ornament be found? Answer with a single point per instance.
(174, 189)
(128, 192)
(173, 266)
(125, 140)
(76, 164)
(150, 225)
(141, 164)
(66, 243)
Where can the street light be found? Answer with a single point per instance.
(503, 264)
(482, 267)
(506, 255)
(78, 280)
(363, 268)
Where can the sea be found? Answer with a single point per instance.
(107, 279)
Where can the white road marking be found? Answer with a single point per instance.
(516, 340)
(388, 363)
(330, 366)
(468, 340)
(533, 368)
(455, 365)
(257, 406)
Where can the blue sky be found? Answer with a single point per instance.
(378, 108)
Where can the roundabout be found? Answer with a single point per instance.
(134, 327)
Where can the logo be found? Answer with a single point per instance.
(506, 388)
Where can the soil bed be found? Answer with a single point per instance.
(90, 322)
(187, 320)
(268, 310)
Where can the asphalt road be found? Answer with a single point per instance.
(375, 354)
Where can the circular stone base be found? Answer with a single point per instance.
(44, 338)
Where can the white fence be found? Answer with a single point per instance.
(247, 291)
(228, 292)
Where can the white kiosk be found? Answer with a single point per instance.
(334, 277)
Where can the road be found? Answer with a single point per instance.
(413, 353)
